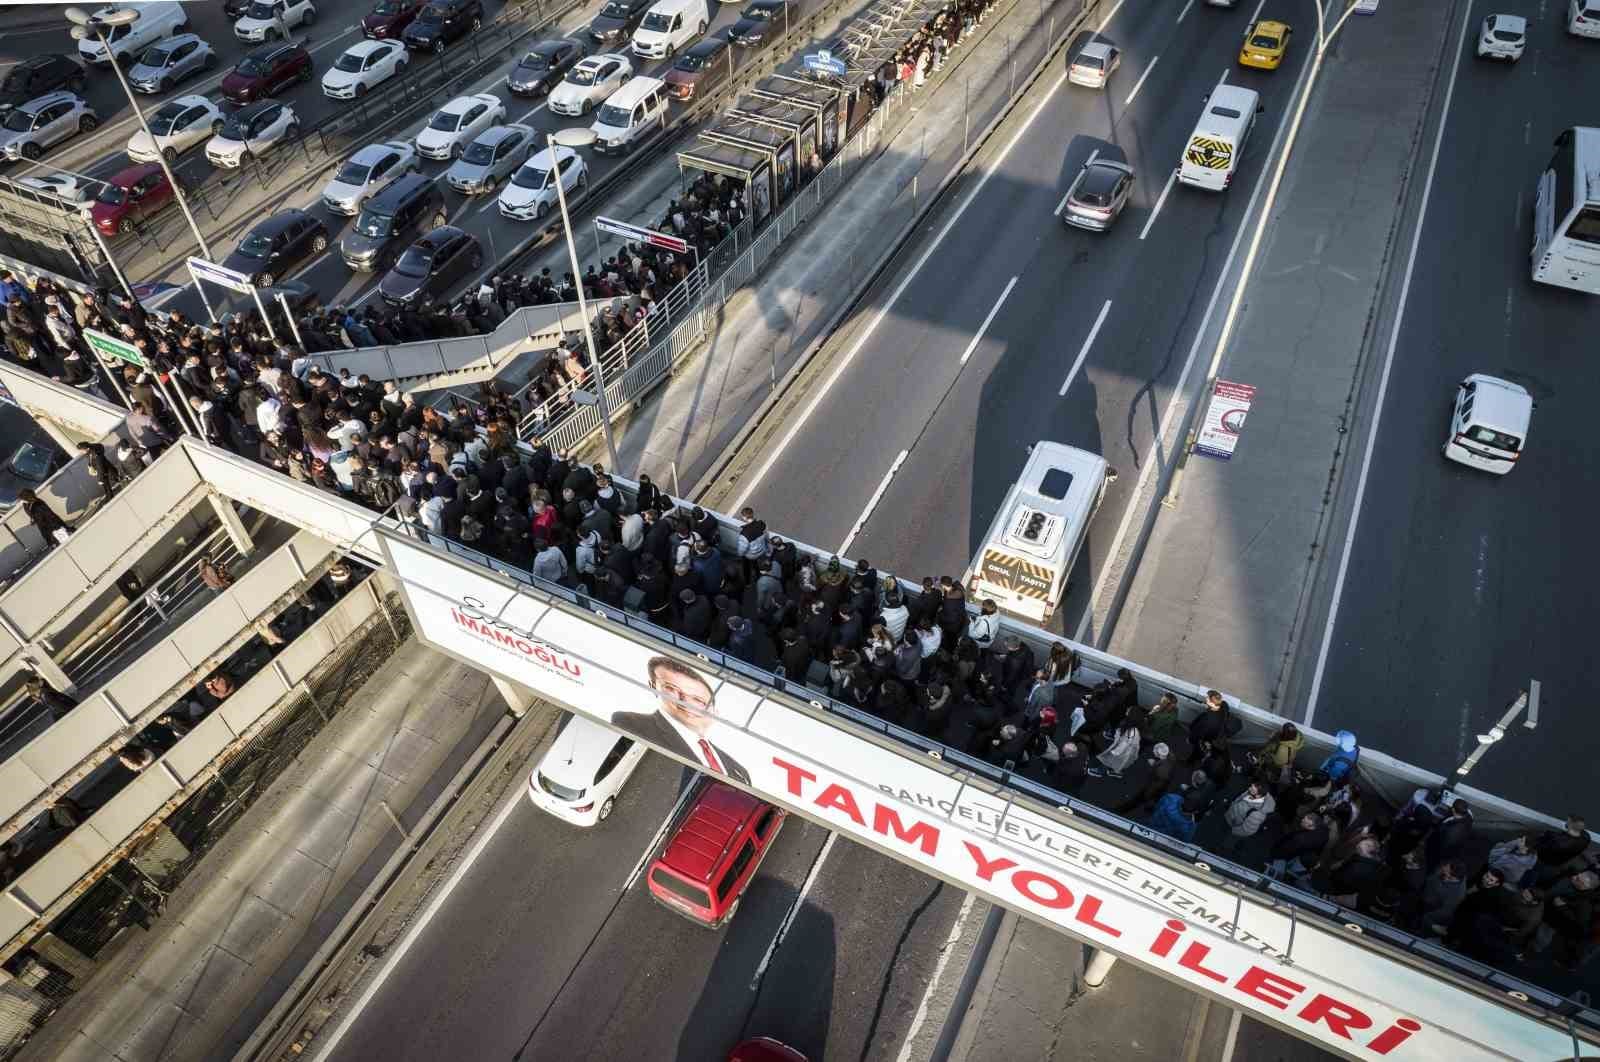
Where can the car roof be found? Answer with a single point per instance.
(593, 62)
(498, 133)
(402, 188)
(366, 48)
(268, 51)
(39, 103)
(194, 99)
(461, 104)
(1268, 26)
(277, 222)
(437, 238)
(1098, 49)
(133, 174)
(578, 750)
(35, 61)
(180, 38)
(1501, 404)
(371, 153)
(1103, 174)
(551, 46)
(706, 831)
(540, 160)
(1514, 23)
(250, 110)
(709, 46)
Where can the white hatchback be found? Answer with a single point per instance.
(1094, 64)
(1503, 37)
(532, 194)
(585, 768)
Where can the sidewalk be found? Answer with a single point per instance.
(234, 935)
(768, 328)
(1220, 587)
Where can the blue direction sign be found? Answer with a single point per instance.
(823, 63)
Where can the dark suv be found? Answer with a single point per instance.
(265, 72)
(36, 76)
(443, 22)
(618, 19)
(406, 207)
(430, 266)
(389, 19)
(543, 66)
(277, 245)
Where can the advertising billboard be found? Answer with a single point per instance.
(1316, 980)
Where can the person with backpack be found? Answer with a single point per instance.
(1216, 723)
(1346, 754)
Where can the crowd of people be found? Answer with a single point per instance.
(927, 49)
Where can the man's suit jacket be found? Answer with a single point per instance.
(651, 727)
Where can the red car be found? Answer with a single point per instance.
(713, 852)
(130, 196)
(389, 19)
(765, 1049)
(267, 71)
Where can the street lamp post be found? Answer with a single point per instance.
(86, 26)
(1325, 38)
(576, 138)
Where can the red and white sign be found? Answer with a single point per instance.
(1219, 432)
(1350, 999)
(645, 236)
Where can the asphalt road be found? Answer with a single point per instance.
(1463, 586)
(244, 199)
(548, 948)
(1085, 347)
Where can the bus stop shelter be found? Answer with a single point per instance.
(750, 167)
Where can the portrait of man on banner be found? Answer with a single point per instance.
(685, 720)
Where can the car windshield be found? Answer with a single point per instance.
(155, 56)
(1509, 36)
(350, 63)
(353, 173)
(757, 13)
(31, 462)
(233, 129)
(111, 195)
(372, 223)
(446, 122)
(690, 62)
(250, 66)
(556, 789)
(15, 81)
(478, 153)
(535, 61)
(1489, 437)
(431, 14)
(1261, 40)
(615, 10)
(531, 177)
(391, 7)
(255, 245)
(655, 20)
(1091, 62)
(19, 120)
(261, 11)
(615, 116)
(413, 263)
(162, 122)
(581, 75)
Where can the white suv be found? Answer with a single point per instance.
(585, 768)
(267, 19)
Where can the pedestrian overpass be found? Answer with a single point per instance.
(1351, 984)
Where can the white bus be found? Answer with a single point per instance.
(1566, 214)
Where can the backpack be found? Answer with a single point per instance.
(385, 490)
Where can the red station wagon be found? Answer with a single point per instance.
(713, 852)
(267, 71)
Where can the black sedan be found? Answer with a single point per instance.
(542, 68)
(277, 245)
(38, 75)
(761, 19)
(443, 22)
(430, 266)
(617, 20)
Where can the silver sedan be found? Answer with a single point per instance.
(491, 158)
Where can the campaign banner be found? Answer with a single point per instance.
(1224, 419)
(1315, 979)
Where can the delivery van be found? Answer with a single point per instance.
(1034, 541)
(629, 114)
(1211, 157)
(1489, 423)
(155, 21)
(668, 26)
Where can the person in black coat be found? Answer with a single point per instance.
(847, 630)
(1210, 725)
(1072, 769)
(694, 615)
(45, 521)
(100, 466)
(794, 653)
(1449, 839)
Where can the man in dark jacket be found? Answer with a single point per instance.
(794, 654)
(694, 615)
(1210, 725)
(1298, 851)
(1162, 763)
(45, 521)
(1449, 839)
(1557, 848)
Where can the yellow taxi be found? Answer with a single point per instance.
(1264, 45)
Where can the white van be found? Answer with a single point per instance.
(1031, 547)
(583, 771)
(629, 114)
(668, 26)
(1212, 155)
(1583, 18)
(155, 21)
(1489, 423)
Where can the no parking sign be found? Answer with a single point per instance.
(1225, 416)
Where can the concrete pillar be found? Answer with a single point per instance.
(63, 956)
(1100, 964)
(518, 698)
(232, 524)
(39, 661)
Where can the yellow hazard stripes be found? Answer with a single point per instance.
(1020, 577)
(1209, 152)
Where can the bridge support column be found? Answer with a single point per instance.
(232, 524)
(1100, 964)
(518, 698)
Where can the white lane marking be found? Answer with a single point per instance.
(1137, 85)
(894, 297)
(945, 952)
(1185, 11)
(1148, 469)
(535, 111)
(1109, 16)
(1084, 351)
(655, 840)
(1383, 383)
(1160, 200)
(1256, 14)
(794, 909)
(326, 1048)
(976, 336)
(1223, 79)
(1059, 208)
(872, 503)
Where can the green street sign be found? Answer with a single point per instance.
(112, 347)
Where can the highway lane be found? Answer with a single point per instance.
(550, 948)
(1463, 586)
(1111, 314)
